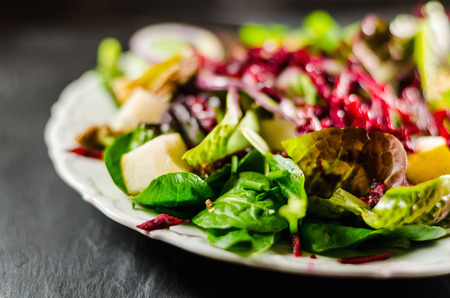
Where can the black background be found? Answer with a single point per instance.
(52, 243)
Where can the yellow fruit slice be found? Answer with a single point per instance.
(429, 164)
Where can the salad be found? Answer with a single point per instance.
(322, 136)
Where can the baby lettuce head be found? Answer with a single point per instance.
(350, 158)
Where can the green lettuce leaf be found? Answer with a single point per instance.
(255, 35)
(431, 50)
(348, 202)
(427, 203)
(321, 31)
(108, 55)
(350, 158)
(215, 145)
(237, 141)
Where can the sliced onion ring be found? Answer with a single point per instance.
(159, 42)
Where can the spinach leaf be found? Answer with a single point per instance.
(252, 162)
(142, 134)
(323, 236)
(183, 212)
(242, 208)
(292, 188)
(328, 209)
(218, 179)
(350, 158)
(124, 144)
(292, 185)
(175, 190)
(241, 240)
(112, 157)
(415, 232)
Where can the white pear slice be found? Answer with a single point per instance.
(157, 157)
(141, 107)
(428, 143)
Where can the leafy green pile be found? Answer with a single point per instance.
(335, 186)
(254, 201)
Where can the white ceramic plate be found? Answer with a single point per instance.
(85, 102)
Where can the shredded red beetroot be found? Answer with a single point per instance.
(375, 194)
(351, 98)
(313, 66)
(97, 154)
(441, 118)
(162, 221)
(365, 259)
(296, 245)
(202, 111)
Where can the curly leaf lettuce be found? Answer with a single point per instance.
(427, 203)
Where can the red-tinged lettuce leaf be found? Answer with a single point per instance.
(350, 158)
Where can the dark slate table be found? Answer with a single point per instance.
(52, 243)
